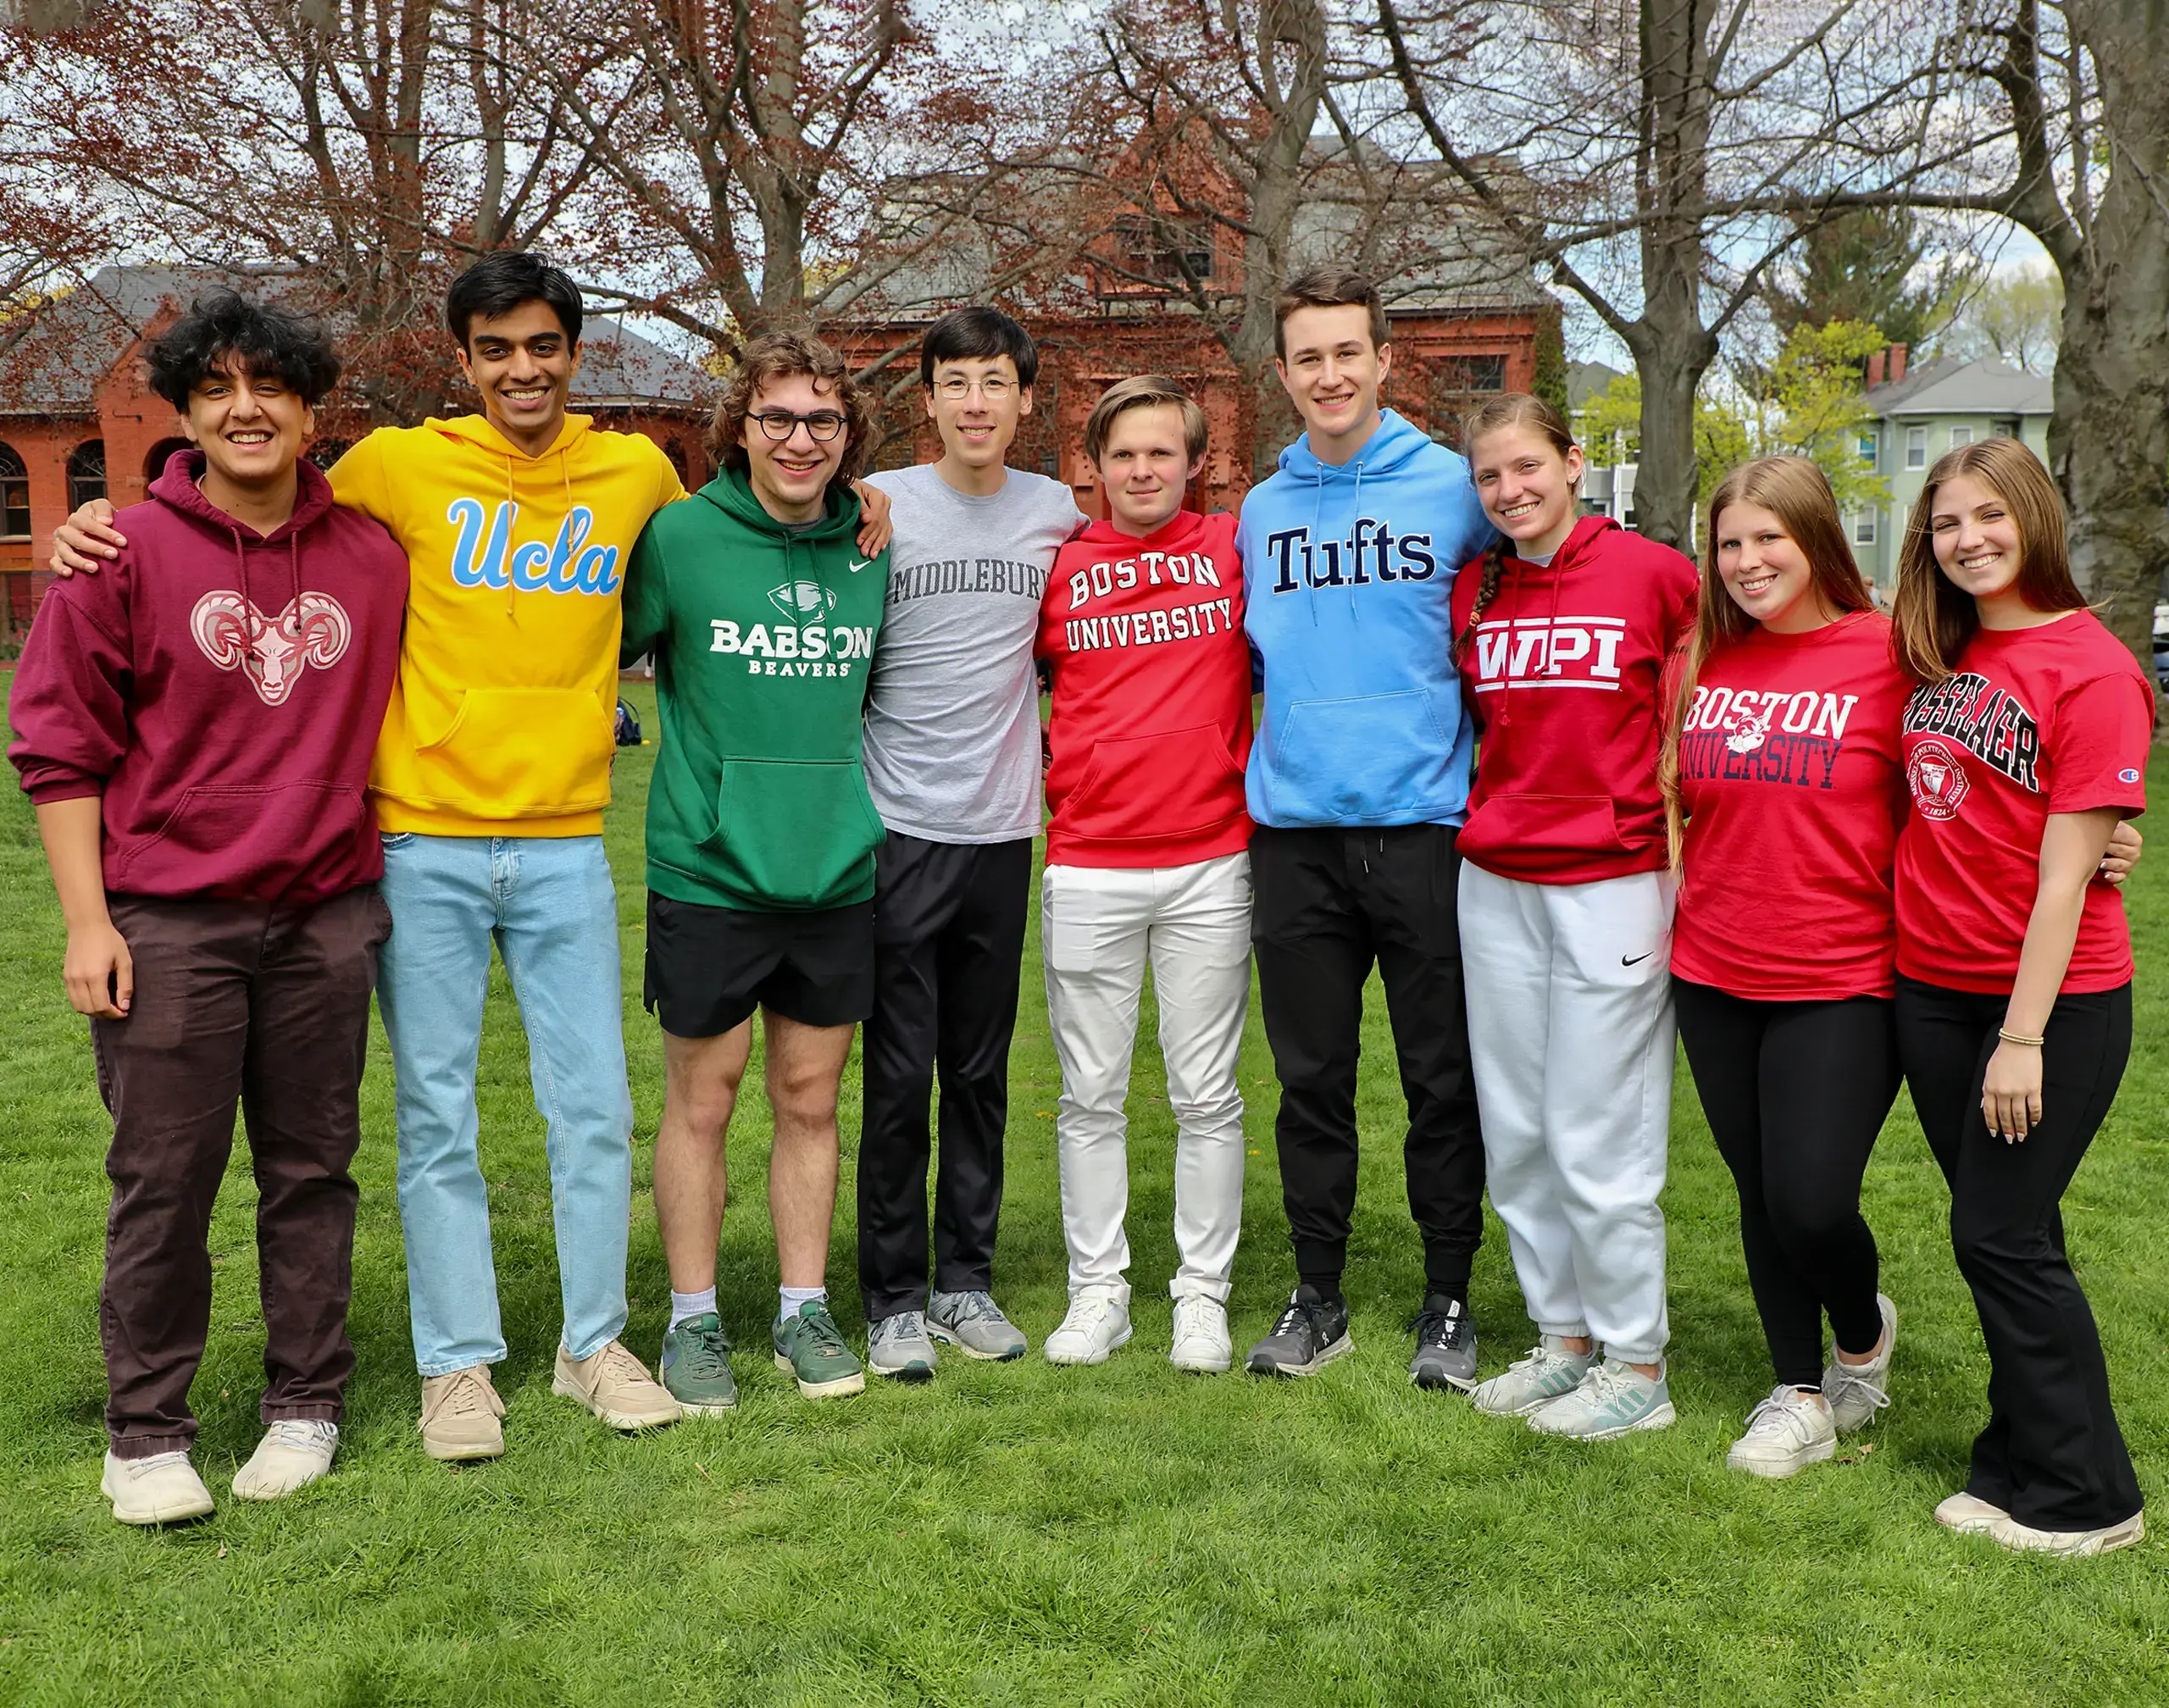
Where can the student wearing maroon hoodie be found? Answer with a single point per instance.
(1147, 860)
(195, 727)
(1562, 632)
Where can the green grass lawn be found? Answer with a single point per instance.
(1020, 1533)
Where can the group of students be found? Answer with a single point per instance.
(1568, 797)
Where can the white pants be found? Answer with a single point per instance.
(1098, 926)
(1570, 1032)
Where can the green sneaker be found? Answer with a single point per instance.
(695, 1367)
(809, 1346)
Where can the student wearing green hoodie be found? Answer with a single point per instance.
(762, 615)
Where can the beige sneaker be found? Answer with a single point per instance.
(2023, 1538)
(294, 1452)
(459, 1414)
(616, 1387)
(1968, 1514)
(161, 1489)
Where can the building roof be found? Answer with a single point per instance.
(57, 367)
(1949, 386)
(1587, 381)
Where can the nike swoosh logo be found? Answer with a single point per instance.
(856, 568)
(1636, 960)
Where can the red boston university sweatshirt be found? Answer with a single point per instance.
(1562, 676)
(1151, 718)
(223, 692)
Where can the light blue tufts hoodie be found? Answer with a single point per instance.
(1348, 575)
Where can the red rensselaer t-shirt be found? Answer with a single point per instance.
(2034, 721)
(1789, 775)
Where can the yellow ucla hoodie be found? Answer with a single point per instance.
(501, 721)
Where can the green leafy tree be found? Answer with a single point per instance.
(1871, 266)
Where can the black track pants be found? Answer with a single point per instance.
(2052, 1455)
(1326, 905)
(948, 938)
(1795, 1093)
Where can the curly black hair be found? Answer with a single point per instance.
(225, 328)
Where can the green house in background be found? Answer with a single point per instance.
(1922, 414)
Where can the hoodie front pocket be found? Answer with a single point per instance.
(1151, 787)
(794, 833)
(520, 753)
(1545, 824)
(258, 840)
(1360, 759)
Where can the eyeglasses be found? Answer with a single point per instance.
(993, 390)
(823, 425)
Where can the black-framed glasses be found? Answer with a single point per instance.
(823, 425)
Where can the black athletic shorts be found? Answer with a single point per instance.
(708, 968)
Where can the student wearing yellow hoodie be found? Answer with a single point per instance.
(489, 783)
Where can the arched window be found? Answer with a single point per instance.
(14, 495)
(155, 464)
(86, 474)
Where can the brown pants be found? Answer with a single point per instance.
(266, 1005)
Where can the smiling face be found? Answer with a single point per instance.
(523, 364)
(250, 428)
(1977, 540)
(1527, 486)
(1765, 571)
(975, 404)
(791, 475)
(1332, 372)
(1145, 467)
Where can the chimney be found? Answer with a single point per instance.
(1874, 369)
(1897, 362)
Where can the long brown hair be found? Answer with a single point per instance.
(1797, 494)
(1934, 619)
(1507, 409)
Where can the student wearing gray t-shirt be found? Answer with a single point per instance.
(953, 759)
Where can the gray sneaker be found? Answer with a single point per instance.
(1614, 1399)
(1445, 1345)
(1548, 1370)
(1856, 1392)
(900, 1347)
(973, 1324)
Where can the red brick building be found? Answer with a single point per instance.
(1464, 322)
(77, 420)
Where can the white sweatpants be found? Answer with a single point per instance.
(1570, 1032)
(1098, 926)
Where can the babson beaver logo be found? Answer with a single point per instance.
(796, 646)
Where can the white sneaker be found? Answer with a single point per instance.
(1968, 1514)
(1202, 1342)
(1856, 1391)
(2008, 1532)
(1097, 1323)
(1531, 1383)
(161, 1489)
(294, 1452)
(1788, 1432)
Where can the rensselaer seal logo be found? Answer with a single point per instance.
(1937, 779)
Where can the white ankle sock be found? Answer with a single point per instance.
(791, 1298)
(684, 1306)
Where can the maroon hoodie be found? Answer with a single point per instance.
(223, 692)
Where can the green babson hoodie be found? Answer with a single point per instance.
(763, 642)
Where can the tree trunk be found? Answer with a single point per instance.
(2109, 439)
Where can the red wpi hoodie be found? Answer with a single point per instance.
(1150, 723)
(1562, 676)
(223, 692)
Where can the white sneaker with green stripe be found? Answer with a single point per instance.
(1613, 1400)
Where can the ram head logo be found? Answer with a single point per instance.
(274, 650)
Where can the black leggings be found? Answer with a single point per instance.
(1795, 1093)
(2052, 1455)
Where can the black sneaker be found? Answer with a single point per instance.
(1445, 1344)
(1310, 1335)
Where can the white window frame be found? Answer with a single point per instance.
(1864, 529)
(1960, 435)
(1917, 448)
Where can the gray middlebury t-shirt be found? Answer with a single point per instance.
(952, 715)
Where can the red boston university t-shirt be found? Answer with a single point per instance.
(2034, 721)
(1789, 773)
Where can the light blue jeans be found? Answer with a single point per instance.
(548, 904)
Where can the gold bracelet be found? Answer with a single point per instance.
(2019, 1038)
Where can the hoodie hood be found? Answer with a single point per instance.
(1183, 529)
(732, 492)
(1348, 574)
(480, 429)
(176, 488)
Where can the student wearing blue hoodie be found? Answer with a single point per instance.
(1358, 782)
